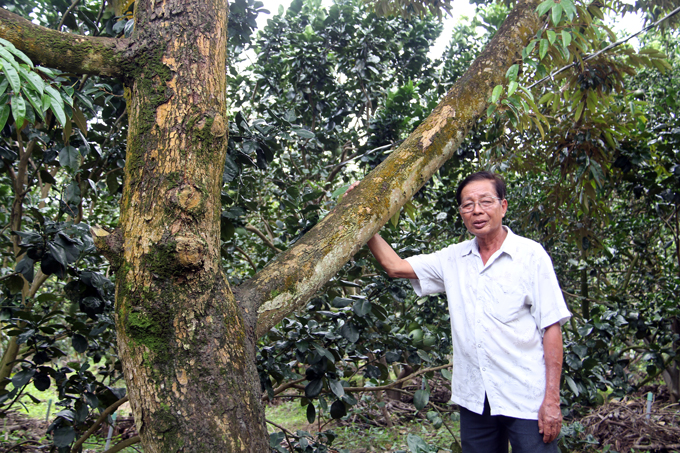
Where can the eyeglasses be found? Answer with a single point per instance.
(484, 203)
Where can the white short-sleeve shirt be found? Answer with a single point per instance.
(499, 312)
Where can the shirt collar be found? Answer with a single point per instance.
(509, 245)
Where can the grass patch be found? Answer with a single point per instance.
(288, 414)
(356, 437)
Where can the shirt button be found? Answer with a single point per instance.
(478, 321)
(479, 345)
(483, 369)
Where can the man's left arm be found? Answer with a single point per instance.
(550, 414)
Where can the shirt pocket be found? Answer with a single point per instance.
(507, 302)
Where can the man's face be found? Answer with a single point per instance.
(483, 223)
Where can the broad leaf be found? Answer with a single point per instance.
(69, 157)
(18, 109)
(421, 398)
(338, 409)
(12, 76)
(311, 413)
(313, 389)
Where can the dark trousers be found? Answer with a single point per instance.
(488, 433)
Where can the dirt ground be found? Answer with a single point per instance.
(625, 425)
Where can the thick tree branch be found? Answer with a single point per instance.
(64, 51)
(298, 273)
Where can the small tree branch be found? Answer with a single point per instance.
(64, 51)
(109, 410)
(68, 11)
(124, 444)
(243, 252)
(283, 387)
(264, 238)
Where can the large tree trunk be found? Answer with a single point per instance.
(188, 360)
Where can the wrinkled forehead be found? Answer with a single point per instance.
(478, 189)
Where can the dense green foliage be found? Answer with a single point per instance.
(591, 158)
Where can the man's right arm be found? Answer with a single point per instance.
(389, 260)
(386, 256)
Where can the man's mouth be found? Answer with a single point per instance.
(479, 223)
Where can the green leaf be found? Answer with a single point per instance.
(512, 72)
(512, 87)
(349, 332)
(341, 302)
(492, 108)
(362, 307)
(569, 8)
(311, 413)
(69, 157)
(14, 283)
(552, 36)
(421, 398)
(543, 48)
(35, 101)
(566, 38)
(22, 56)
(12, 76)
(579, 110)
(545, 7)
(313, 389)
(79, 119)
(18, 109)
(4, 114)
(4, 83)
(572, 385)
(46, 177)
(46, 101)
(64, 436)
(557, 13)
(607, 135)
(545, 98)
(395, 219)
(416, 444)
(79, 343)
(335, 385)
(303, 133)
(231, 170)
(340, 191)
(446, 374)
(56, 104)
(496, 94)
(338, 409)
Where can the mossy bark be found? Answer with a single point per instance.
(297, 274)
(189, 361)
(65, 51)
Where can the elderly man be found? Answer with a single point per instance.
(506, 310)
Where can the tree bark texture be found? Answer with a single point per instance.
(65, 51)
(287, 283)
(189, 361)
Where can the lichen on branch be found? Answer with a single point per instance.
(64, 51)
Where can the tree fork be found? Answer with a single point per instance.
(294, 276)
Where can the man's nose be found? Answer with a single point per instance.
(477, 208)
